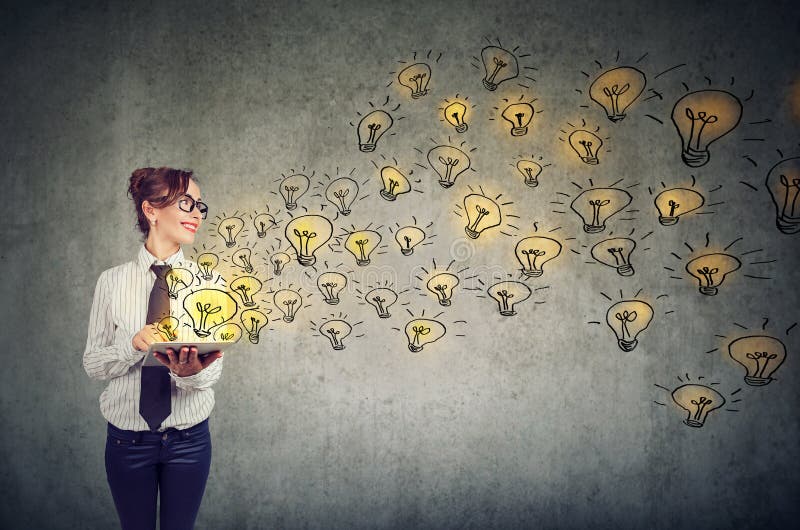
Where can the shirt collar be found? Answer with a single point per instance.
(145, 259)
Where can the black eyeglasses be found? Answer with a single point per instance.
(187, 204)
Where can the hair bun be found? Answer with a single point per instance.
(136, 180)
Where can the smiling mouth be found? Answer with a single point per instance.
(190, 227)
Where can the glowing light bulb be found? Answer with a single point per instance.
(342, 192)
(616, 253)
(229, 229)
(698, 401)
(530, 171)
(507, 295)
(760, 355)
(616, 89)
(416, 78)
(587, 145)
(448, 162)
(371, 128)
(628, 319)
(702, 118)
(253, 321)
(596, 206)
(178, 279)
(394, 183)
(409, 237)
(423, 331)
(783, 183)
(381, 299)
(307, 234)
(482, 213)
(456, 114)
(336, 331)
(288, 302)
(292, 188)
(228, 332)
(279, 261)
(500, 65)
(330, 284)
(673, 203)
(519, 115)
(168, 328)
(263, 222)
(207, 262)
(442, 286)
(533, 252)
(246, 287)
(711, 270)
(242, 258)
(208, 308)
(361, 244)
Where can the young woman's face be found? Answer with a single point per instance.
(175, 225)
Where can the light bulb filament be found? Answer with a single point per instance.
(449, 163)
(230, 228)
(253, 325)
(795, 191)
(417, 80)
(587, 145)
(536, 254)
(700, 404)
(419, 330)
(244, 289)
(361, 243)
(455, 117)
(341, 194)
(441, 289)
(613, 94)
(505, 296)
(498, 64)
(482, 212)
(332, 332)
(226, 336)
(206, 268)
(289, 192)
(174, 280)
(619, 257)
(392, 185)
(308, 236)
(408, 241)
(757, 356)
(702, 117)
(289, 308)
(373, 129)
(672, 207)
(596, 205)
(519, 116)
(624, 318)
(205, 310)
(708, 274)
(379, 302)
(329, 289)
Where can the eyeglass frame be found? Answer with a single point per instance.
(202, 209)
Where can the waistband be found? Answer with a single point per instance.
(144, 436)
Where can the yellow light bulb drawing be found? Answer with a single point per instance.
(330, 284)
(292, 188)
(416, 78)
(229, 332)
(279, 261)
(448, 162)
(208, 308)
(587, 146)
(394, 183)
(530, 171)
(178, 279)
(482, 213)
(616, 253)
(596, 206)
(533, 252)
(409, 237)
(335, 331)
(702, 118)
(422, 331)
(381, 299)
(253, 321)
(507, 295)
(456, 115)
(307, 234)
(246, 287)
(783, 183)
(711, 270)
(442, 286)
(361, 244)
(627, 319)
(616, 89)
(263, 222)
(342, 192)
(673, 203)
(168, 328)
(519, 115)
(242, 257)
(760, 355)
(499, 65)
(288, 302)
(207, 262)
(698, 401)
(229, 229)
(371, 128)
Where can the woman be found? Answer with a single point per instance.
(158, 438)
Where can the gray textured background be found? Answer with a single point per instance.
(537, 420)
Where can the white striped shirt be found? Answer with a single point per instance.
(119, 311)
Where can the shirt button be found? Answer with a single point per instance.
(164, 437)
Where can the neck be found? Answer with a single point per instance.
(159, 248)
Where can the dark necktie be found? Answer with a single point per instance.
(154, 399)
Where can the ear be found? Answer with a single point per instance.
(149, 210)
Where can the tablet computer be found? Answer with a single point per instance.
(203, 348)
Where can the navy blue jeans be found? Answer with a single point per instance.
(139, 464)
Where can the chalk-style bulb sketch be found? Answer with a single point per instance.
(675, 202)
(307, 234)
(711, 270)
(482, 213)
(361, 244)
(335, 331)
(616, 253)
(442, 286)
(168, 328)
(292, 188)
(595, 206)
(507, 294)
(371, 128)
(330, 284)
(381, 299)
(342, 192)
(208, 308)
(288, 302)
(698, 401)
(279, 261)
(519, 115)
(530, 171)
(229, 229)
(783, 183)
(177, 280)
(628, 319)
(207, 262)
(499, 64)
(394, 183)
(415, 77)
(702, 118)
(263, 222)
(760, 355)
(616, 89)
(423, 331)
(246, 287)
(253, 321)
(409, 237)
(241, 258)
(533, 252)
(448, 162)
(587, 146)
(229, 332)
(456, 115)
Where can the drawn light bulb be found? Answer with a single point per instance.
(371, 128)
(394, 183)
(530, 171)
(263, 222)
(207, 262)
(628, 319)
(416, 78)
(587, 145)
(292, 188)
(702, 118)
(616, 89)
(533, 252)
(616, 253)
(279, 261)
(253, 321)
(500, 65)
(423, 331)
(342, 192)
(519, 115)
(361, 244)
(288, 302)
(760, 355)
(246, 287)
(456, 115)
(409, 237)
(507, 295)
(335, 331)
(242, 258)
(698, 401)
(330, 284)
(229, 332)
(482, 213)
(596, 206)
(168, 328)
(448, 162)
(307, 234)
(208, 308)
(711, 270)
(381, 299)
(673, 203)
(442, 286)
(178, 279)
(783, 183)
(229, 229)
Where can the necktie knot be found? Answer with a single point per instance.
(160, 270)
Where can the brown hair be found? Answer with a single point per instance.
(161, 187)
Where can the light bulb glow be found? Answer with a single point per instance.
(499, 65)
(242, 258)
(507, 295)
(263, 222)
(409, 237)
(442, 286)
(627, 319)
(253, 321)
(371, 128)
(361, 244)
(279, 261)
(307, 234)
(335, 331)
(456, 115)
(673, 203)
(698, 401)
(292, 188)
(482, 213)
(616, 89)
(207, 262)
(208, 308)
(342, 192)
(416, 78)
(710, 270)
(381, 299)
(519, 115)
(177, 280)
(330, 284)
(288, 302)
(423, 331)
(616, 253)
(229, 229)
(596, 206)
(783, 183)
(586, 145)
(394, 183)
(760, 355)
(702, 118)
(448, 162)
(246, 287)
(530, 171)
(533, 252)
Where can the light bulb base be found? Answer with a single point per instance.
(253, 338)
(418, 94)
(667, 221)
(414, 348)
(174, 296)
(616, 117)
(593, 229)
(445, 183)
(261, 234)
(627, 345)
(788, 225)
(444, 302)
(384, 315)
(249, 303)
(202, 333)
(532, 182)
(344, 212)
(366, 148)
(693, 423)
(591, 160)
(693, 158)
(248, 269)
(331, 301)
(407, 251)
(278, 271)
(362, 262)
(471, 233)
(388, 196)
(339, 347)
(508, 312)
(488, 85)
(625, 270)
(230, 244)
(291, 205)
(306, 260)
(206, 277)
(709, 291)
(519, 131)
(757, 381)
(461, 127)
(532, 273)
(288, 318)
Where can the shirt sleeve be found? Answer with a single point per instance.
(103, 358)
(203, 379)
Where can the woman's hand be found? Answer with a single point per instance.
(145, 337)
(187, 362)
